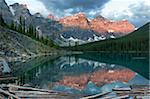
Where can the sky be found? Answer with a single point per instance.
(136, 11)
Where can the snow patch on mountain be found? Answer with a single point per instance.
(112, 36)
(38, 15)
(12, 10)
(39, 31)
(97, 38)
(73, 40)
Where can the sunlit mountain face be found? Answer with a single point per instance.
(98, 24)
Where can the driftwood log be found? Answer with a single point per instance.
(30, 88)
(95, 96)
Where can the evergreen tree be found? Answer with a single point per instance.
(42, 39)
(12, 26)
(2, 22)
(30, 30)
(20, 20)
(24, 26)
(20, 28)
(37, 36)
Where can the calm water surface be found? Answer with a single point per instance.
(87, 73)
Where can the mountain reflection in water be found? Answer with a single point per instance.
(99, 78)
(85, 73)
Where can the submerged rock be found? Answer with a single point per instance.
(4, 68)
(66, 89)
(109, 87)
(91, 88)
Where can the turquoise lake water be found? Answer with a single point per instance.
(87, 73)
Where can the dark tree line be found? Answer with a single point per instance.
(119, 45)
(29, 31)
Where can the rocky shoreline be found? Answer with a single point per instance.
(6, 68)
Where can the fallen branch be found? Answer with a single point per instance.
(36, 96)
(30, 88)
(121, 97)
(29, 92)
(95, 96)
(8, 78)
(122, 89)
(9, 94)
(115, 97)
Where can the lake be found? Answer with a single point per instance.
(87, 73)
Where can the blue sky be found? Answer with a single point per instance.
(136, 11)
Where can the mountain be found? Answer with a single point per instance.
(67, 31)
(18, 44)
(79, 28)
(76, 29)
(45, 26)
(137, 41)
(98, 24)
(103, 25)
(14, 44)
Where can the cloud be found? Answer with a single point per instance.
(67, 7)
(136, 11)
(141, 13)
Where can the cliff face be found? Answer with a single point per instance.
(77, 20)
(6, 12)
(98, 24)
(103, 25)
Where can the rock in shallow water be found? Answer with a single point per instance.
(4, 68)
(91, 88)
(109, 87)
(66, 89)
